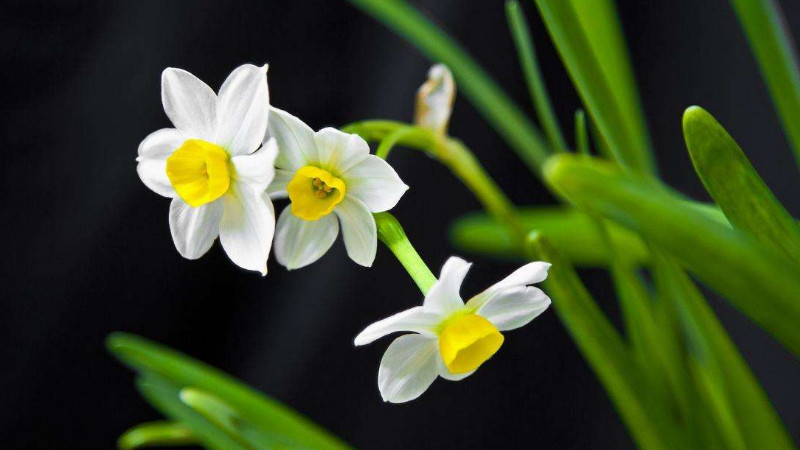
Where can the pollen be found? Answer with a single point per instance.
(198, 170)
(315, 192)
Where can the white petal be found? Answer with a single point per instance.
(444, 372)
(299, 242)
(277, 189)
(296, 146)
(194, 229)
(530, 273)
(374, 182)
(414, 319)
(444, 297)
(243, 110)
(408, 368)
(189, 103)
(153, 153)
(359, 231)
(514, 307)
(247, 227)
(337, 151)
(257, 169)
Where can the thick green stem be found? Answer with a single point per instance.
(391, 233)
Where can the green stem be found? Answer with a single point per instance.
(479, 88)
(453, 154)
(533, 76)
(392, 139)
(391, 233)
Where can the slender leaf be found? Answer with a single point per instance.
(571, 231)
(735, 186)
(589, 38)
(183, 371)
(742, 409)
(581, 133)
(533, 76)
(160, 434)
(495, 106)
(761, 283)
(776, 54)
(163, 395)
(604, 349)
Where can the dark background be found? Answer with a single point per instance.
(86, 248)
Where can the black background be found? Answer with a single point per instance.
(86, 248)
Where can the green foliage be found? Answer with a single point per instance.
(775, 52)
(589, 39)
(761, 283)
(221, 411)
(572, 232)
(736, 187)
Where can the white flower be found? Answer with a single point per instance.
(211, 165)
(327, 174)
(435, 100)
(452, 338)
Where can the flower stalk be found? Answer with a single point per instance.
(391, 233)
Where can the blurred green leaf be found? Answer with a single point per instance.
(581, 133)
(157, 434)
(183, 371)
(743, 411)
(163, 395)
(761, 283)
(570, 230)
(226, 418)
(655, 347)
(533, 76)
(495, 106)
(606, 352)
(770, 40)
(589, 38)
(735, 186)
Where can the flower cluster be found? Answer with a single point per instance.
(230, 154)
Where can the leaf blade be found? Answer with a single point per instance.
(764, 286)
(735, 185)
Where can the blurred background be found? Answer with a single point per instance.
(87, 249)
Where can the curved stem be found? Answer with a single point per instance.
(450, 152)
(392, 139)
(391, 233)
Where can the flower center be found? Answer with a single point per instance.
(314, 192)
(198, 170)
(467, 341)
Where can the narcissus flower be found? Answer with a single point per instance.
(327, 175)
(452, 339)
(435, 100)
(213, 165)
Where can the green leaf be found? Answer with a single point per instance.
(157, 434)
(742, 409)
(570, 230)
(589, 38)
(182, 371)
(479, 88)
(581, 133)
(533, 76)
(606, 352)
(163, 395)
(761, 283)
(735, 186)
(775, 52)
